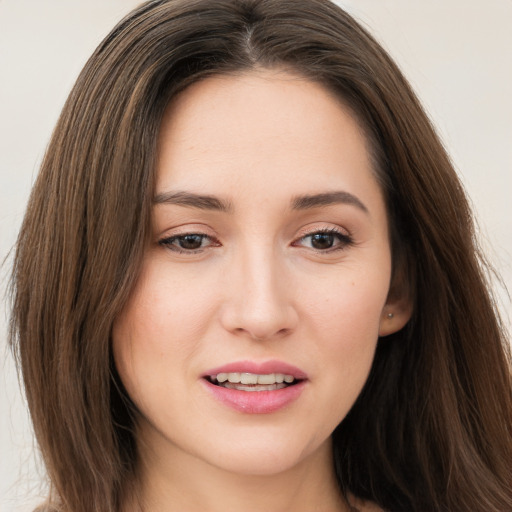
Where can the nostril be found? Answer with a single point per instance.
(259, 316)
(260, 336)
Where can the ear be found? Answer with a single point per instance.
(394, 316)
(396, 312)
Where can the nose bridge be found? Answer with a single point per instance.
(259, 304)
(262, 286)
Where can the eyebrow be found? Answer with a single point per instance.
(327, 199)
(200, 201)
(304, 202)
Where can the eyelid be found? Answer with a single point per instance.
(344, 238)
(187, 228)
(322, 228)
(169, 236)
(167, 243)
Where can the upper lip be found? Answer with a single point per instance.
(258, 368)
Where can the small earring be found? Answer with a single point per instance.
(390, 315)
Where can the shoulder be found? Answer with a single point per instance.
(360, 505)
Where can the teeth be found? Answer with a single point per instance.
(253, 378)
(248, 378)
(254, 387)
(267, 379)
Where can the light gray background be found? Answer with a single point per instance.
(456, 53)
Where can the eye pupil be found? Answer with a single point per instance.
(322, 240)
(190, 241)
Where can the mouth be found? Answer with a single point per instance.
(242, 381)
(251, 387)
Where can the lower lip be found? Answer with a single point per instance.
(256, 402)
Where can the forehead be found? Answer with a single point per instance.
(262, 130)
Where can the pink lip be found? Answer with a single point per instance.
(256, 402)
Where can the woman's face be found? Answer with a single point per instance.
(269, 262)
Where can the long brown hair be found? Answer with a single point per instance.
(431, 430)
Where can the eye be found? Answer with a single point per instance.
(188, 242)
(325, 240)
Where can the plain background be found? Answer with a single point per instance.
(456, 53)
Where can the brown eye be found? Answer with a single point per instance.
(322, 240)
(325, 241)
(190, 242)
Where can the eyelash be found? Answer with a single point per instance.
(343, 239)
(169, 242)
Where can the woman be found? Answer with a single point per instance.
(247, 278)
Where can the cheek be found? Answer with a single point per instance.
(158, 330)
(350, 301)
(345, 324)
(162, 329)
(350, 324)
(165, 311)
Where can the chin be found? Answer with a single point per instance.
(259, 463)
(264, 454)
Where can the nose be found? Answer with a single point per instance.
(259, 300)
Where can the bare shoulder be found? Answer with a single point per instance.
(363, 505)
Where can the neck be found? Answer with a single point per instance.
(180, 481)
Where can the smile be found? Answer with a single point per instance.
(252, 381)
(255, 388)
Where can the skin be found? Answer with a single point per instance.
(259, 287)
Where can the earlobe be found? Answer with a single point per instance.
(395, 316)
(400, 300)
